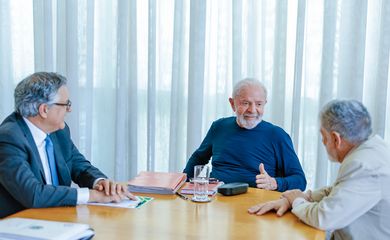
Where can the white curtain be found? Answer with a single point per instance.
(147, 78)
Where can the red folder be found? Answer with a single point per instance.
(157, 182)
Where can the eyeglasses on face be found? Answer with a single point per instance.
(68, 104)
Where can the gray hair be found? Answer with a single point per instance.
(248, 82)
(37, 89)
(347, 117)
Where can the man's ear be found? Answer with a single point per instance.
(42, 110)
(231, 101)
(336, 138)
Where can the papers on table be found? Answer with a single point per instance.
(26, 228)
(127, 203)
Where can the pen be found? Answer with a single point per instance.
(181, 196)
(141, 201)
(211, 180)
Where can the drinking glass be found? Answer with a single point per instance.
(201, 182)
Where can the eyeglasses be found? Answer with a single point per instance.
(68, 104)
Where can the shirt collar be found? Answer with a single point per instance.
(38, 135)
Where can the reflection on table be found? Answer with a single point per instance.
(170, 217)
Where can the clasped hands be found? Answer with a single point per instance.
(281, 205)
(106, 191)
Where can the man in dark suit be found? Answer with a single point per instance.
(38, 159)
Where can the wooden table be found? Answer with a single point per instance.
(170, 217)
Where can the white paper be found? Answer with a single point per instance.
(126, 203)
(25, 228)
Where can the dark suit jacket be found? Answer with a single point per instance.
(22, 179)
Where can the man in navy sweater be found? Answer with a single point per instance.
(246, 148)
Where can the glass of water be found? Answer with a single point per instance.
(201, 183)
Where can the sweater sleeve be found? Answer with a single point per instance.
(289, 173)
(202, 155)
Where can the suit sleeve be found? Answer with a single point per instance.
(353, 194)
(291, 175)
(202, 155)
(81, 170)
(19, 177)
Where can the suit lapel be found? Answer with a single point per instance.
(36, 160)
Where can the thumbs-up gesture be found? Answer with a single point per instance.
(264, 181)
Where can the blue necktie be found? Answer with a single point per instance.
(51, 160)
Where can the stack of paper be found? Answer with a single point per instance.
(157, 182)
(188, 188)
(26, 228)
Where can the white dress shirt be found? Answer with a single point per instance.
(39, 138)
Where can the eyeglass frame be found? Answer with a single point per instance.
(68, 104)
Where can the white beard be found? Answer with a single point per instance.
(248, 124)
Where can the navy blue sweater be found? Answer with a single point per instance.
(237, 153)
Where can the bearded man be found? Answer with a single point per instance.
(245, 148)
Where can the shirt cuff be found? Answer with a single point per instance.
(298, 201)
(97, 180)
(82, 195)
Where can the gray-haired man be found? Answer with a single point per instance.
(245, 148)
(38, 159)
(357, 206)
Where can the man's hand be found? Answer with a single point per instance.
(110, 188)
(263, 180)
(280, 206)
(291, 195)
(101, 197)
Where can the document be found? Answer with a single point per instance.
(157, 182)
(126, 203)
(26, 228)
